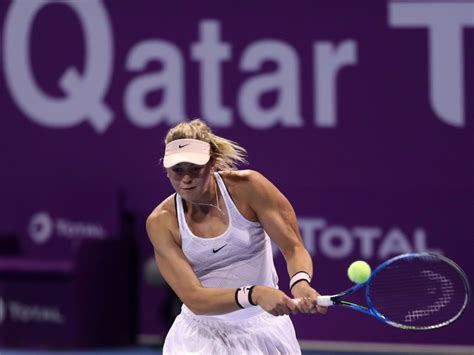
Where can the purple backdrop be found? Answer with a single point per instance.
(361, 115)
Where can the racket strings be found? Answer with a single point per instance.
(418, 292)
(447, 294)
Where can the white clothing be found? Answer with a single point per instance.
(262, 334)
(240, 256)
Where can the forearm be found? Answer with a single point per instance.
(211, 301)
(298, 259)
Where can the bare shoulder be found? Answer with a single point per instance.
(162, 221)
(247, 179)
(247, 185)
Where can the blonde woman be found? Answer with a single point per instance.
(212, 245)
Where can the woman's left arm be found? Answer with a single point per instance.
(278, 218)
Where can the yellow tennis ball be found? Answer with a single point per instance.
(359, 271)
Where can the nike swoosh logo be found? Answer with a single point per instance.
(216, 250)
(182, 146)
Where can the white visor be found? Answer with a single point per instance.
(186, 150)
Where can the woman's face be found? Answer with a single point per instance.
(190, 181)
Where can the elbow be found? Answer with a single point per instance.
(196, 305)
(199, 311)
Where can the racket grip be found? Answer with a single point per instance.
(324, 301)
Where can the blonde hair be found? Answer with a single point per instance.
(226, 153)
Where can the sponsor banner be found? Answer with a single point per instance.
(43, 226)
(53, 224)
(390, 223)
(313, 54)
(18, 312)
(29, 317)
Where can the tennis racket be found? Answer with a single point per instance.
(417, 291)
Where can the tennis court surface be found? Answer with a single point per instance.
(308, 348)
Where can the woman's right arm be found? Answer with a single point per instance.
(180, 276)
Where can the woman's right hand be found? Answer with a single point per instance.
(273, 301)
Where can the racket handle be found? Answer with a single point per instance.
(324, 301)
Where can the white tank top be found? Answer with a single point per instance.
(240, 256)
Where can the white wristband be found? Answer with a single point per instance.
(243, 297)
(298, 277)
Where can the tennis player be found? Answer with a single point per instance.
(212, 245)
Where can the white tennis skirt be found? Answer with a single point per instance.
(260, 334)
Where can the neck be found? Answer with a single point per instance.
(209, 195)
(214, 198)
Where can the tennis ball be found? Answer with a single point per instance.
(359, 271)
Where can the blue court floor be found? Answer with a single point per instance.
(157, 351)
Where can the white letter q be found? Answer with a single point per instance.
(85, 91)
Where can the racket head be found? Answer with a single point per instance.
(418, 291)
